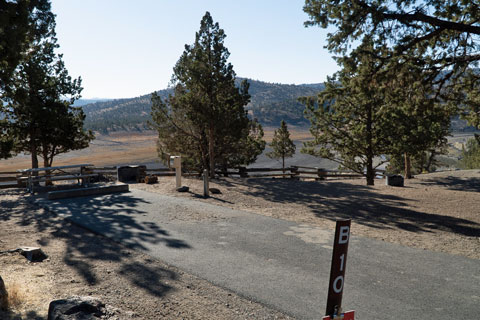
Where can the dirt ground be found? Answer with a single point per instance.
(83, 263)
(439, 212)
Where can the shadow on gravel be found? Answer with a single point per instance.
(31, 315)
(83, 247)
(454, 183)
(339, 200)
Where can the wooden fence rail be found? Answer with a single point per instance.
(9, 179)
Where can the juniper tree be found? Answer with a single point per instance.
(348, 116)
(470, 157)
(418, 121)
(282, 146)
(20, 22)
(40, 112)
(206, 115)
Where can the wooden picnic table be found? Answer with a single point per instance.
(70, 172)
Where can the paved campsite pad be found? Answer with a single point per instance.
(280, 263)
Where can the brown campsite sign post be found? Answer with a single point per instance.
(337, 271)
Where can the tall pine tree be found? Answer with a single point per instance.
(347, 117)
(206, 115)
(20, 22)
(40, 112)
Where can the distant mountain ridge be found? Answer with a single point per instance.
(270, 103)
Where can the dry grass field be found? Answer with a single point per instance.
(119, 148)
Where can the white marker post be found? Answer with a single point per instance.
(337, 273)
(176, 162)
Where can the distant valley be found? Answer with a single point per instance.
(270, 103)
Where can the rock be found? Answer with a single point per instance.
(3, 296)
(151, 179)
(215, 191)
(33, 254)
(183, 189)
(84, 308)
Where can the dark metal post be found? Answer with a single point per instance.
(337, 271)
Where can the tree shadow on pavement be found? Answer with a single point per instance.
(340, 200)
(113, 216)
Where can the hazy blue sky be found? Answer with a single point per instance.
(124, 48)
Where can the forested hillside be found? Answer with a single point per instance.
(270, 103)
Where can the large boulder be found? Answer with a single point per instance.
(76, 308)
(3, 296)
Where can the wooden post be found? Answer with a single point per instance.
(294, 172)
(242, 171)
(321, 173)
(206, 190)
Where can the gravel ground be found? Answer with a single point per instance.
(82, 263)
(439, 212)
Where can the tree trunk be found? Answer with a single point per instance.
(430, 161)
(283, 165)
(46, 164)
(408, 166)
(33, 152)
(225, 169)
(211, 151)
(370, 172)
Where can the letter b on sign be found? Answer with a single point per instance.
(344, 234)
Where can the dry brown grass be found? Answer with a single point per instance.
(16, 296)
(122, 147)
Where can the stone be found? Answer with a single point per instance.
(3, 296)
(151, 179)
(33, 254)
(394, 180)
(84, 308)
(215, 191)
(183, 189)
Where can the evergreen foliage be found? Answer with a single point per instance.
(206, 116)
(20, 22)
(470, 157)
(347, 123)
(40, 97)
(418, 120)
(440, 36)
(282, 146)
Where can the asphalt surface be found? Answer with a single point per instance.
(282, 264)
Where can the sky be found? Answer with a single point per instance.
(124, 48)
